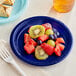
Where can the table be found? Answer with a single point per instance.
(38, 8)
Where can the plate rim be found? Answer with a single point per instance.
(60, 22)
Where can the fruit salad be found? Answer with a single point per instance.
(43, 40)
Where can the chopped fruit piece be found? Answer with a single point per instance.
(61, 46)
(43, 41)
(26, 38)
(55, 36)
(36, 31)
(56, 42)
(40, 53)
(56, 32)
(39, 42)
(29, 48)
(47, 26)
(51, 37)
(51, 42)
(32, 42)
(47, 48)
(49, 32)
(43, 38)
(60, 40)
(57, 51)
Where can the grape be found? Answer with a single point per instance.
(51, 42)
(56, 32)
(49, 32)
(39, 42)
(55, 36)
(51, 36)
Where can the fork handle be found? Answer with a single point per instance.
(17, 68)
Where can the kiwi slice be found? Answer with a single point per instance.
(40, 53)
(36, 31)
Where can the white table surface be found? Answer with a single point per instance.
(42, 8)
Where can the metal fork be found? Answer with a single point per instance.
(7, 57)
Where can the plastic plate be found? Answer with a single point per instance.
(17, 40)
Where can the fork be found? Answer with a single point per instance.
(7, 57)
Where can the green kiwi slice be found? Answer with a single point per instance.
(40, 53)
(36, 31)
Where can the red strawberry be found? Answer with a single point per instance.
(31, 41)
(60, 40)
(26, 38)
(43, 38)
(57, 51)
(61, 46)
(47, 48)
(29, 48)
(47, 26)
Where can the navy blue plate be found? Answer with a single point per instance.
(17, 40)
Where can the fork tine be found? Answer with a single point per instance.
(3, 47)
(3, 50)
(6, 51)
(2, 55)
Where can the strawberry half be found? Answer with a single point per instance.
(47, 26)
